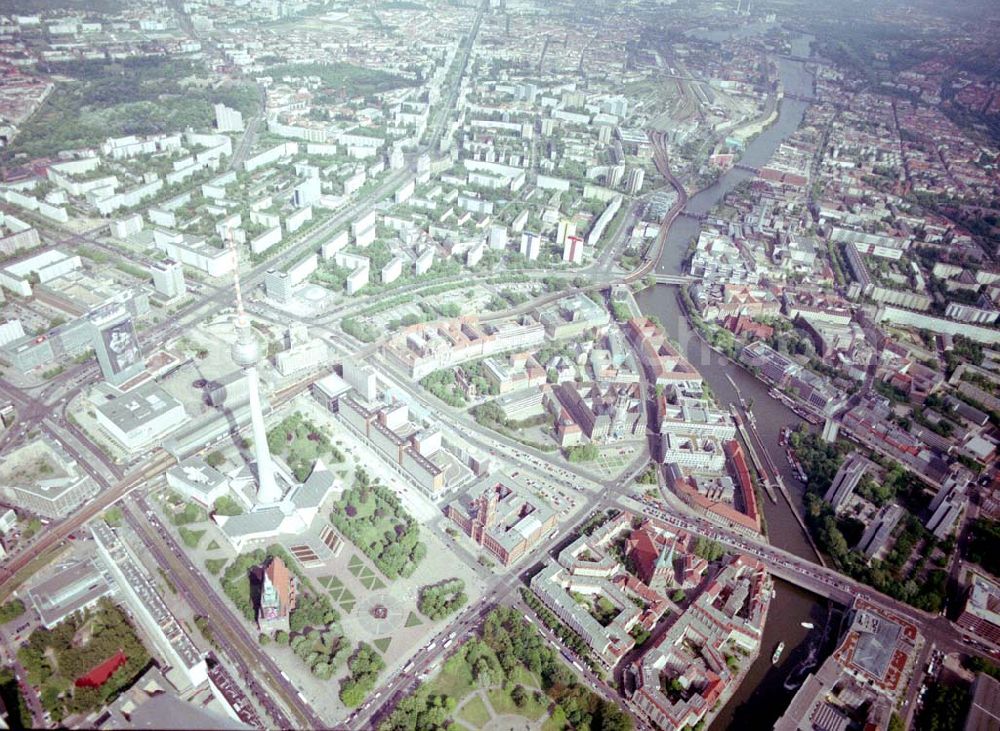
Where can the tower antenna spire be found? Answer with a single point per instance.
(241, 315)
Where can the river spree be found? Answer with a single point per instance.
(768, 688)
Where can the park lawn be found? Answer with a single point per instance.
(215, 565)
(475, 712)
(504, 706)
(525, 677)
(455, 679)
(190, 537)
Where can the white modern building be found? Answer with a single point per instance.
(140, 417)
(168, 278)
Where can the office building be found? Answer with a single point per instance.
(980, 616)
(846, 480)
(875, 539)
(944, 518)
(168, 278)
(72, 589)
(116, 344)
(302, 357)
(361, 377)
(278, 285)
(194, 479)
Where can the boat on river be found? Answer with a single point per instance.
(777, 653)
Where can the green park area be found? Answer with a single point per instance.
(373, 519)
(97, 99)
(315, 634)
(342, 80)
(56, 659)
(508, 671)
(368, 578)
(339, 593)
(437, 601)
(11, 610)
(914, 568)
(300, 443)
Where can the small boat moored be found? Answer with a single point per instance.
(777, 653)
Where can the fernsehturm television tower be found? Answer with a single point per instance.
(246, 354)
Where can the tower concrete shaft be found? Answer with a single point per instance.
(246, 355)
(267, 488)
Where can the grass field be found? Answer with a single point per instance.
(454, 680)
(475, 712)
(368, 578)
(190, 537)
(503, 705)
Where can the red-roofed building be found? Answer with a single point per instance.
(99, 675)
(277, 597)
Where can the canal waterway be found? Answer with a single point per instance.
(768, 688)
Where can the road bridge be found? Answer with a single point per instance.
(695, 216)
(674, 279)
(801, 98)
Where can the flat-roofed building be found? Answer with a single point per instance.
(184, 664)
(879, 648)
(981, 614)
(196, 480)
(141, 417)
(875, 539)
(72, 589)
(40, 478)
(329, 390)
(984, 711)
(846, 480)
